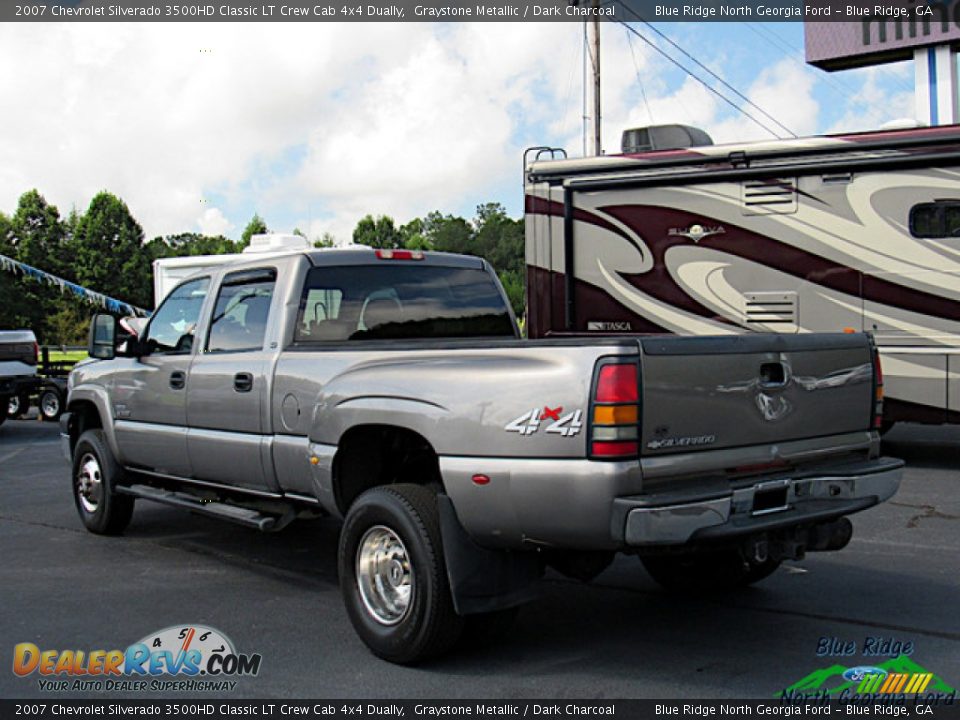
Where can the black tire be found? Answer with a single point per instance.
(706, 571)
(3, 418)
(96, 474)
(424, 625)
(50, 404)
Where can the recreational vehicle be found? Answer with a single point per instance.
(842, 233)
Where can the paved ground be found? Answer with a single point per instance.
(619, 637)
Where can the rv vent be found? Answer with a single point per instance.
(777, 310)
(662, 137)
(775, 196)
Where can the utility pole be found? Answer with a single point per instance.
(592, 141)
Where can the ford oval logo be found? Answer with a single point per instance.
(856, 674)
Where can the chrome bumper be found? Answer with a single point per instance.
(796, 501)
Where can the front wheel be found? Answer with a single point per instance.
(96, 474)
(393, 577)
(51, 406)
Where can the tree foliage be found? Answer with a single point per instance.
(492, 235)
(108, 253)
(379, 232)
(256, 226)
(103, 249)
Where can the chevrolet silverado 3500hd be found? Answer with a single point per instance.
(391, 389)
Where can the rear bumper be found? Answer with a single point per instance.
(587, 505)
(805, 501)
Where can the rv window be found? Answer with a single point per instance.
(940, 219)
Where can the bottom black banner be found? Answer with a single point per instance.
(941, 708)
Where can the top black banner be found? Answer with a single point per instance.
(902, 16)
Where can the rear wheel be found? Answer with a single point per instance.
(706, 571)
(18, 405)
(96, 474)
(393, 577)
(51, 406)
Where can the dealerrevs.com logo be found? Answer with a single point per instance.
(200, 657)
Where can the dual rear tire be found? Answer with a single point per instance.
(393, 577)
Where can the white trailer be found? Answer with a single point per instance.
(169, 272)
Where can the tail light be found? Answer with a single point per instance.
(878, 391)
(399, 254)
(615, 411)
(36, 353)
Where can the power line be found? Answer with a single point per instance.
(711, 72)
(636, 67)
(698, 79)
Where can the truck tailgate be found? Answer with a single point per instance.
(18, 355)
(708, 393)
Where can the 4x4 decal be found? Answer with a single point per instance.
(566, 425)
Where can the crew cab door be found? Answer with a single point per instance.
(149, 392)
(228, 387)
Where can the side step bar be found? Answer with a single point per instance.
(231, 513)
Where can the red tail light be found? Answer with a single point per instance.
(615, 415)
(617, 384)
(399, 254)
(36, 353)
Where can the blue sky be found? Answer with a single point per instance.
(198, 126)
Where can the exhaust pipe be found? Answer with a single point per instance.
(833, 535)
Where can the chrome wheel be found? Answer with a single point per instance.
(90, 483)
(384, 575)
(13, 407)
(50, 405)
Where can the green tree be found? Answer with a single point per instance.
(108, 252)
(381, 232)
(183, 244)
(14, 307)
(326, 240)
(36, 236)
(499, 238)
(448, 233)
(413, 237)
(256, 226)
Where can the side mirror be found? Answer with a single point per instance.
(102, 341)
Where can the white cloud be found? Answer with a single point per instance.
(199, 125)
(872, 104)
(395, 118)
(213, 222)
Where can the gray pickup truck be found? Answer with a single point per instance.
(18, 371)
(391, 389)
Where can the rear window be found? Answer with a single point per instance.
(393, 301)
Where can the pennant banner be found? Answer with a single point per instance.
(94, 298)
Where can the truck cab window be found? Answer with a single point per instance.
(380, 302)
(172, 326)
(240, 316)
